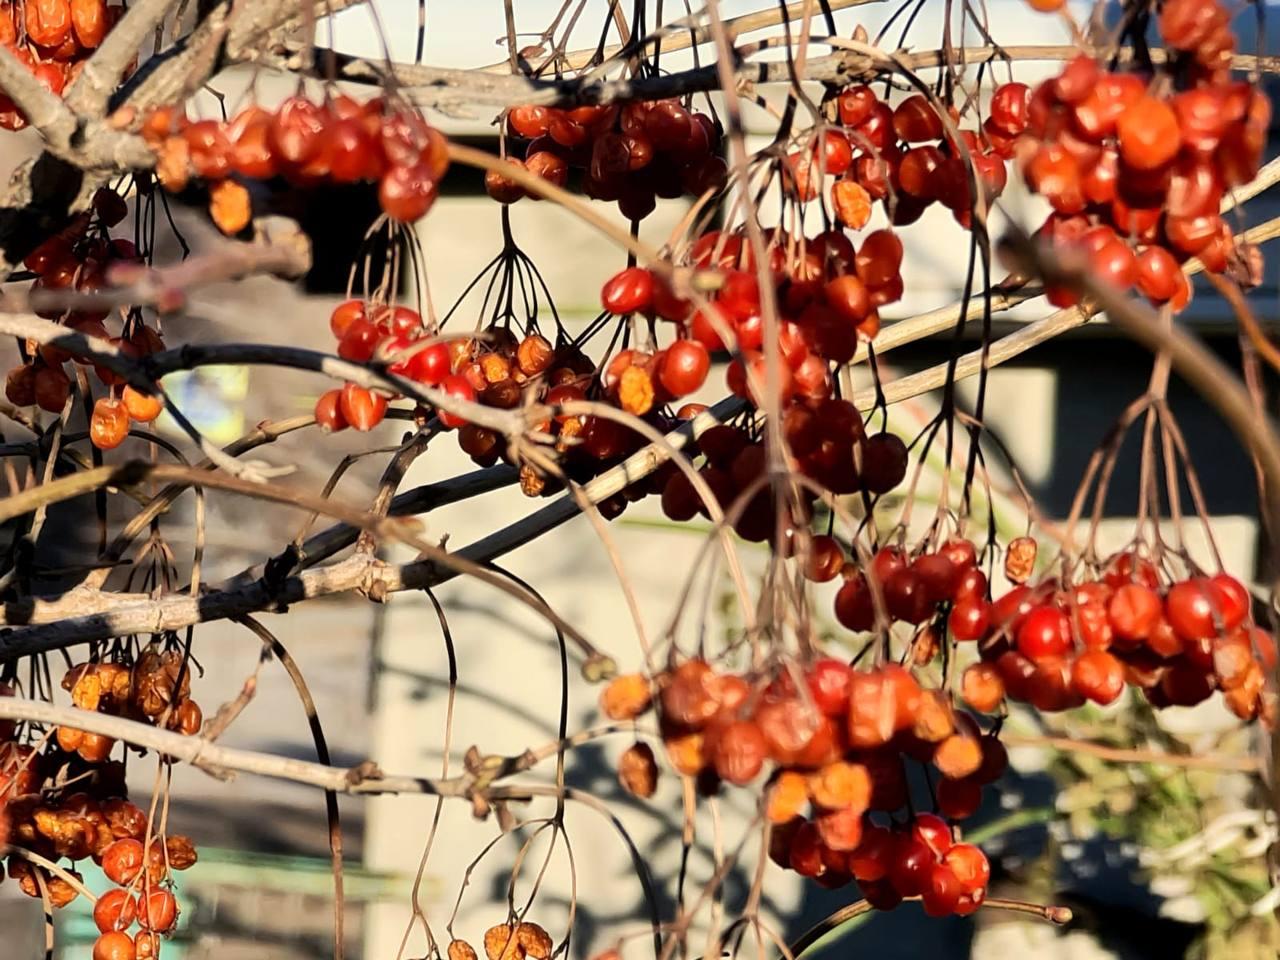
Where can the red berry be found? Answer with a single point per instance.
(344, 315)
(1189, 609)
(460, 387)
(942, 891)
(1231, 599)
(1045, 631)
(1009, 108)
(628, 291)
(157, 910)
(122, 861)
(115, 910)
(684, 369)
(329, 411)
(1098, 676)
(970, 865)
(1133, 611)
(830, 683)
(1148, 134)
(970, 618)
(114, 945)
(406, 193)
(915, 120)
(933, 830)
(297, 129)
(910, 867)
(362, 409)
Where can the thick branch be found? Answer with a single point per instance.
(89, 92)
(82, 616)
(218, 760)
(40, 105)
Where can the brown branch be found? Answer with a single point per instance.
(80, 615)
(218, 760)
(40, 105)
(448, 88)
(88, 94)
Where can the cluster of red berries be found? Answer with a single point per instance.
(52, 39)
(391, 335)
(507, 941)
(828, 294)
(837, 748)
(901, 156)
(97, 822)
(138, 864)
(828, 444)
(41, 816)
(156, 686)
(117, 836)
(1136, 172)
(912, 590)
(495, 369)
(633, 154)
(1055, 645)
(83, 257)
(336, 141)
(891, 863)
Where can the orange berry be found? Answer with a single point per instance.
(841, 785)
(626, 697)
(787, 797)
(143, 407)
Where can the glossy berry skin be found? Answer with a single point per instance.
(359, 341)
(328, 411)
(1189, 608)
(1231, 599)
(1133, 611)
(970, 865)
(1045, 631)
(115, 910)
(830, 684)
(685, 367)
(933, 830)
(157, 910)
(970, 618)
(1098, 676)
(459, 387)
(942, 892)
(825, 560)
(910, 867)
(114, 945)
(916, 121)
(1009, 105)
(429, 365)
(122, 861)
(628, 291)
(361, 408)
(297, 129)
(406, 193)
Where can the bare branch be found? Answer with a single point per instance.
(216, 759)
(89, 92)
(83, 615)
